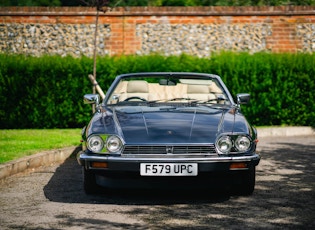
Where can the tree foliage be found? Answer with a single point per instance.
(31, 3)
(159, 2)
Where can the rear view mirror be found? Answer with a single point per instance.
(167, 82)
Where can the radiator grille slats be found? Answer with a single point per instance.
(185, 150)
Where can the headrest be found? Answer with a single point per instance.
(137, 87)
(197, 89)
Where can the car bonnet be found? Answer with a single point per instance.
(172, 125)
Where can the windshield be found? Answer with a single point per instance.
(159, 89)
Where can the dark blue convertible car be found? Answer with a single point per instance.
(164, 130)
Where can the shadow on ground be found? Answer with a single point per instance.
(66, 186)
(283, 198)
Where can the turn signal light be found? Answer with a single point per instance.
(99, 164)
(238, 165)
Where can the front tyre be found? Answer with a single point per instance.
(89, 182)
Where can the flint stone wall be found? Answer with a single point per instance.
(201, 40)
(60, 39)
(167, 30)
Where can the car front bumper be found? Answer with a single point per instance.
(124, 172)
(132, 163)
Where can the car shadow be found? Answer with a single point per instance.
(66, 186)
(283, 165)
(283, 196)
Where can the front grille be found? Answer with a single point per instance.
(187, 150)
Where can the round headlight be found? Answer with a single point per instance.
(113, 144)
(224, 144)
(95, 143)
(242, 143)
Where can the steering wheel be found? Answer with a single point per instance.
(135, 98)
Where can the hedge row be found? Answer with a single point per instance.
(46, 92)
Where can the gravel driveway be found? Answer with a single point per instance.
(284, 198)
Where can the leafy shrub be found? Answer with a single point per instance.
(46, 92)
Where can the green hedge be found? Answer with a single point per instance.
(47, 92)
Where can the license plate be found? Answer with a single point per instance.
(168, 169)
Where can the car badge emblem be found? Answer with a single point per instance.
(169, 149)
(169, 132)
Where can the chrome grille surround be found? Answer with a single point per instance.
(169, 150)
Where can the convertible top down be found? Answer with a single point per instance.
(158, 130)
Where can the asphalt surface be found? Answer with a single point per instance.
(52, 197)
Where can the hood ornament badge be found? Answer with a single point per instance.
(169, 132)
(169, 149)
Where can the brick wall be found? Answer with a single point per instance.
(168, 30)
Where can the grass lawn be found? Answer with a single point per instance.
(16, 143)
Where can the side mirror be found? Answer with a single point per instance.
(243, 98)
(167, 82)
(91, 99)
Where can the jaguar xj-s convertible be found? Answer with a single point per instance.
(164, 130)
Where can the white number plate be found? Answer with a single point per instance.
(169, 169)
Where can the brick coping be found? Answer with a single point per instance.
(162, 11)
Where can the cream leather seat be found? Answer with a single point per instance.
(136, 88)
(199, 92)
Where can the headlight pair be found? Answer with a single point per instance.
(233, 144)
(104, 143)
